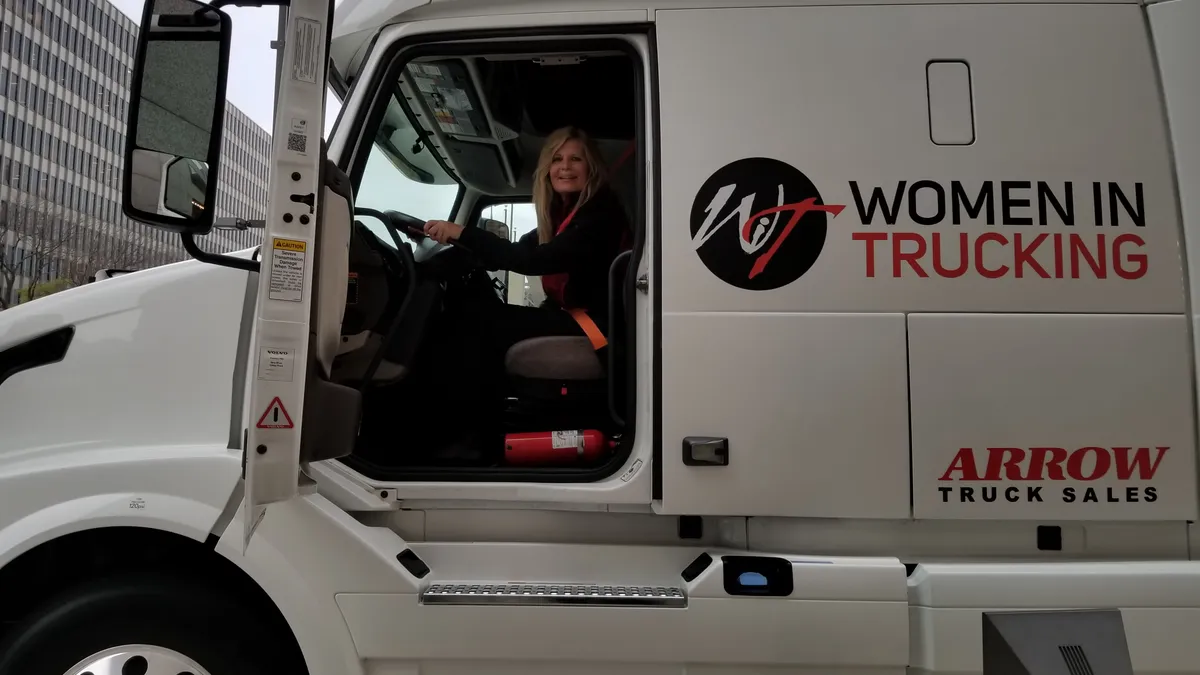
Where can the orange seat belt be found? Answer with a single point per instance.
(589, 328)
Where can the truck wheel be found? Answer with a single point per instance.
(147, 626)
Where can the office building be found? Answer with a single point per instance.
(65, 69)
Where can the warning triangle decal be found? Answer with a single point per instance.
(276, 416)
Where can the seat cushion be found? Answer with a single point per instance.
(554, 358)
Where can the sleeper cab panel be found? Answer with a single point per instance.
(1051, 417)
(1158, 601)
(985, 158)
(814, 407)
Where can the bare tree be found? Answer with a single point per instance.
(134, 253)
(36, 237)
(47, 248)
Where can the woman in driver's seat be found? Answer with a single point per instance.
(581, 228)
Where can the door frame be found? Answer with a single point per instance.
(363, 113)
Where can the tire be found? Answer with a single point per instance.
(201, 623)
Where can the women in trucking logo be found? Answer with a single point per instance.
(1041, 464)
(756, 210)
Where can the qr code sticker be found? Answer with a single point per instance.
(297, 143)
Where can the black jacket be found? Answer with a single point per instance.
(584, 251)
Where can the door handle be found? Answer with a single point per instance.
(705, 451)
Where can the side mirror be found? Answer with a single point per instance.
(496, 227)
(176, 112)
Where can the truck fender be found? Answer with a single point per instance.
(305, 552)
(177, 515)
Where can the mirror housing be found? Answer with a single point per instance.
(176, 115)
(496, 227)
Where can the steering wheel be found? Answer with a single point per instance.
(396, 221)
(403, 256)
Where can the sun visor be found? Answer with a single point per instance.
(451, 99)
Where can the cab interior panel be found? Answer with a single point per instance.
(481, 120)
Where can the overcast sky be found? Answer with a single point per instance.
(251, 59)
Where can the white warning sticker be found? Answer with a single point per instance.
(276, 365)
(287, 269)
(306, 58)
(565, 439)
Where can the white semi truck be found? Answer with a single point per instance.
(902, 350)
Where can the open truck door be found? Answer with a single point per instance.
(172, 162)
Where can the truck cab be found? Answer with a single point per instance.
(901, 338)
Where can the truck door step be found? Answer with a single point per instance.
(459, 593)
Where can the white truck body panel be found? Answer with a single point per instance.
(848, 394)
(1030, 374)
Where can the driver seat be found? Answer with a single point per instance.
(562, 381)
(554, 358)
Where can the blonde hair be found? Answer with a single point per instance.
(543, 193)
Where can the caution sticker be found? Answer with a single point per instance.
(276, 416)
(287, 269)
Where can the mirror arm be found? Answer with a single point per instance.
(218, 4)
(189, 245)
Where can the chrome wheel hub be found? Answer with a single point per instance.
(137, 660)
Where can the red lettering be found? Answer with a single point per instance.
(1075, 463)
(1074, 255)
(964, 463)
(1058, 256)
(871, 238)
(1046, 462)
(1140, 462)
(1138, 258)
(1024, 256)
(1008, 459)
(913, 259)
(964, 256)
(979, 266)
(1049, 463)
(1080, 249)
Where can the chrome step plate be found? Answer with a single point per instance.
(452, 593)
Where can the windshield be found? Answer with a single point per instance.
(402, 175)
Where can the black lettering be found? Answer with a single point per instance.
(1069, 495)
(1097, 204)
(939, 215)
(1090, 495)
(989, 494)
(1131, 494)
(1151, 494)
(1013, 494)
(1113, 498)
(966, 495)
(1138, 213)
(959, 200)
(1046, 195)
(1035, 494)
(945, 494)
(867, 213)
(1008, 203)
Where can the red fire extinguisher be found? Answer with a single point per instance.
(554, 447)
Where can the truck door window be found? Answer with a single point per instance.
(519, 219)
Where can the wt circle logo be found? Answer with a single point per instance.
(759, 224)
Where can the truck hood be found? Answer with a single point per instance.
(87, 303)
(151, 363)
